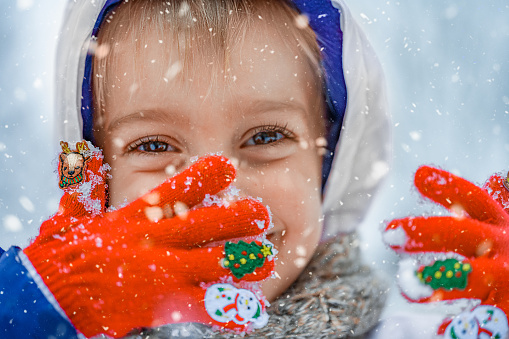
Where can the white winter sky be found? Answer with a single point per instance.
(447, 70)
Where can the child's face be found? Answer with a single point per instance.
(263, 111)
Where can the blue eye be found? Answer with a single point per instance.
(264, 138)
(153, 146)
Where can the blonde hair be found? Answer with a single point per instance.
(201, 29)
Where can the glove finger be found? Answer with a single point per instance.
(244, 218)
(455, 193)
(137, 266)
(209, 264)
(177, 265)
(465, 236)
(449, 279)
(208, 175)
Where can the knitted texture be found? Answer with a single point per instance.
(146, 264)
(335, 297)
(498, 187)
(476, 235)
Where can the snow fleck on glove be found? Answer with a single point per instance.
(464, 255)
(145, 265)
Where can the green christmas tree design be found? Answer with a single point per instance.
(447, 274)
(243, 258)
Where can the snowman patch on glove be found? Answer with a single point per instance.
(483, 322)
(225, 303)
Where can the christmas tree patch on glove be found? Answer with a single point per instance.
(464, 255)
(243, 258)
(447, 274)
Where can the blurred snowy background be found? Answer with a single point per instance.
(446, 65)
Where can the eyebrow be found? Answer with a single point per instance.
(261, 106)
(146, 115)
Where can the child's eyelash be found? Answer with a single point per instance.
(283, 129)
(133, 147)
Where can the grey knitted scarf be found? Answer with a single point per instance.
(335, 297)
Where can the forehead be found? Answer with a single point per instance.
(264, 60)
(206, 33)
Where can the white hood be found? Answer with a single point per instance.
(362, 155)
(363, 150)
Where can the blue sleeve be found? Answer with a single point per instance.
(24, 310)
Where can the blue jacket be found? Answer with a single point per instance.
(25, 311)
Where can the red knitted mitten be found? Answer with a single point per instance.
(464, 255)
(146, 264)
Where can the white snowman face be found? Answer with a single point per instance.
(225, 303)
(247, 304)
(483, 322)
(492, 320)
(464, 326)
(217, 298)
